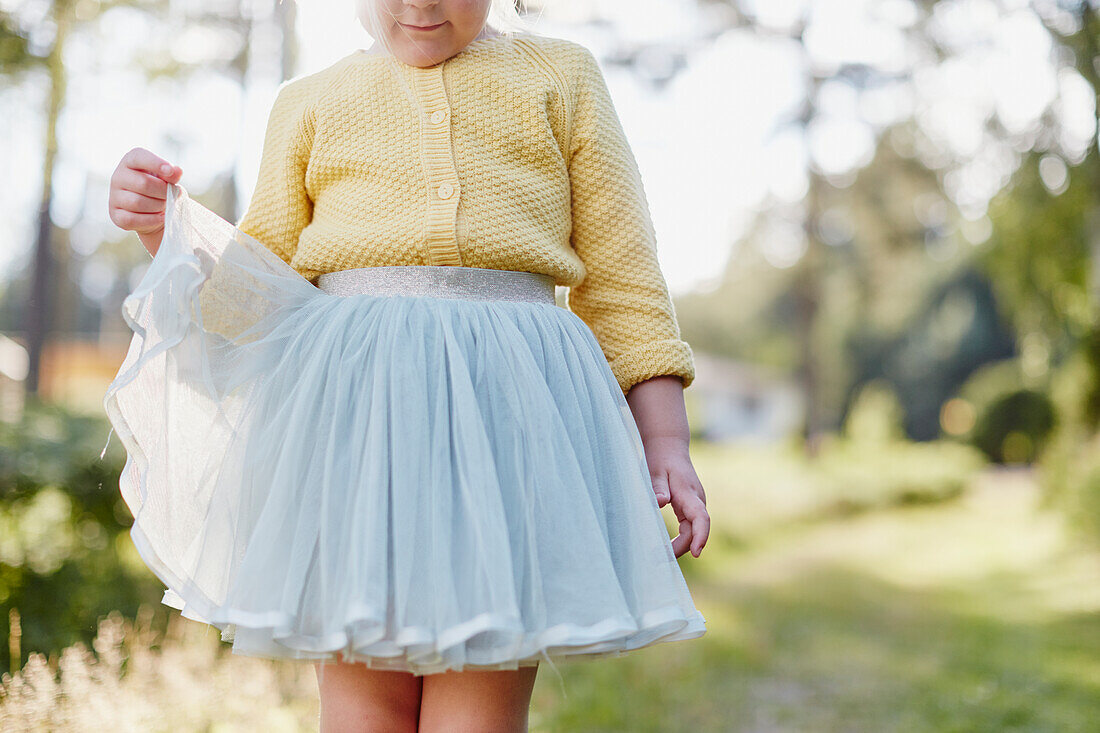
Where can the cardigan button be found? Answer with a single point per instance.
(445, 190)
(438, 116)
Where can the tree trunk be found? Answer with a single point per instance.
(1086, 65)
(39, 316)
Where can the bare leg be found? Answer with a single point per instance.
(358, 699)
(481, 701)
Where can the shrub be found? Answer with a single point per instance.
(1015, 427)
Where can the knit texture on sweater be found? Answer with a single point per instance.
(508, 155)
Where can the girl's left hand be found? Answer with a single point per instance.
(675, 482)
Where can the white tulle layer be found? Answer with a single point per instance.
(418, 483)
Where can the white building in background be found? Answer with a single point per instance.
(738, 401)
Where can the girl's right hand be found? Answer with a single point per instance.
(136, 199)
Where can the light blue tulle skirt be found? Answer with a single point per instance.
(419, 482)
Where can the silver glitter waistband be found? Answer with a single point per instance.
(441, 281)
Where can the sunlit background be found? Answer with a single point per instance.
(878, 220)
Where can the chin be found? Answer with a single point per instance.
(417, 57)
(426, 54)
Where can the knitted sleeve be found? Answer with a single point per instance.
(623, 297)
(280, 208)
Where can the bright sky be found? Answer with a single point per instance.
(709, 145)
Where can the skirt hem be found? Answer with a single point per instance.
(271, 631)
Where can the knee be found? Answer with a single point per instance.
(474, 719)
(366, 716)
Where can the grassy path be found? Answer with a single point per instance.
(976, 614)
(971, 615)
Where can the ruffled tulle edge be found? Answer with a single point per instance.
(171, 261)
(169, 340)
(421, 650)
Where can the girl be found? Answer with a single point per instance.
(360, 430)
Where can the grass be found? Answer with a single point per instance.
(969, 615)
(976, 612)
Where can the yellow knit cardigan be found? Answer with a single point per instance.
(508, 155)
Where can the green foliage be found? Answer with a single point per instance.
(1070, 474)
(1084, 498)
(952, 332)
(1015, 427)
(65, 556)
(1070, 462)
(1038, 255)
(992, 381)
(872, 465)
(753, 489)
(1039, 259)
(856, 476)
(1014, 416)
(876, 415)
(1090, 349)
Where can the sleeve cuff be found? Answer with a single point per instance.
(671, 357)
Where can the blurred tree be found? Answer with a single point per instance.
(18, 60)
(65, 572)
(886, 285)
(828, 231)
(61, 16)
(33, 38)
(1038, 256)
(1045, 249)
(890, 310)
